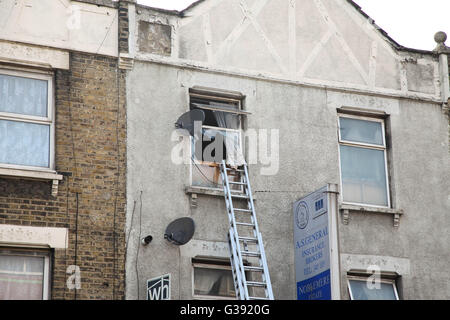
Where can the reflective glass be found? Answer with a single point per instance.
(363, 175)
(363, 131)
(362, 290)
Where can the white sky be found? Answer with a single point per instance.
(412, 23)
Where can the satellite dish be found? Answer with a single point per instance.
(186, 121)
(180, 231)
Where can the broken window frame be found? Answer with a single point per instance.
(218, 96)
(47, 120)
(364, 145)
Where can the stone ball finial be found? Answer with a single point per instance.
(440, 37)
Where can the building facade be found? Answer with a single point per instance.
(62, 171)
(312, 92)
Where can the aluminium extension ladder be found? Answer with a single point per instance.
(247, 256)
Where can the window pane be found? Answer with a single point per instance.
(361, 131)
(21, 277)
(23, 95)
(24, 143)
(363, 176)
(213, 282)
(362, 291)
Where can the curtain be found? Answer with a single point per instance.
(21, 277)
(24, 143)
(23, 95)
(229, 120)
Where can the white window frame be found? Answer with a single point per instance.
(49, 120)
(366, 146)
(364, 279)
(209, 265)
(29, 252)
(238, 111)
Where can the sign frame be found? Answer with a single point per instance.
(316, 245)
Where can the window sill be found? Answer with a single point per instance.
(194, 191)
(34, 175)
(345, 209)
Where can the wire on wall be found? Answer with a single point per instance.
(139, 246)
(116, 183)
(75, 165)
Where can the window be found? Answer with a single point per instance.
(220, 138)
(26, 120)
(360, 288)
(363, 164)
(213, 280)
(24, 275)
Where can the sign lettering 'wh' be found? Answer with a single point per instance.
(159, 288)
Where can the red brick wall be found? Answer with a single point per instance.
(91, 154)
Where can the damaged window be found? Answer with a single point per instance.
(219, 138)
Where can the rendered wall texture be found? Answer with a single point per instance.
(296, 63)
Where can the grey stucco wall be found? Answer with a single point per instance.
(307, 121)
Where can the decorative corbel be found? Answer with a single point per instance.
(345, 216)
(55, 184)
(193, 200)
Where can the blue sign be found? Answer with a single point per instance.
(312, 247)
(315, 288)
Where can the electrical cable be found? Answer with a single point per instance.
(75, 166)
(66, 240)
(139, 246)
(126, 243)
(116, 184)
(76, 239)
(107, 32)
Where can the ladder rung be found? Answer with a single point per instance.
(250, 253)
(256, 284)
(249, 268)
(245, 224)
(248, 239)
(241, 196)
